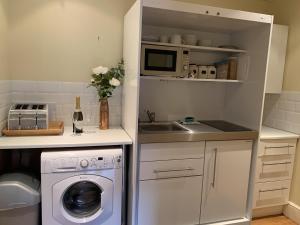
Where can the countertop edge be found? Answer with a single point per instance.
(8, 147)
(224, 136)
(93, 137)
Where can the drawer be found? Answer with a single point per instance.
(277, 147)
(167, 151)
(273, 168)
(271, 193)
(171, 169)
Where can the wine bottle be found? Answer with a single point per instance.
(77, 118)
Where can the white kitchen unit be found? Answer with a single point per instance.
(130, 97)
(170, 183)
(277, 59)
(226, 177)
(171, 191)
(172, 98)
(274, 170)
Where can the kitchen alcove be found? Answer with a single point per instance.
(239, 101)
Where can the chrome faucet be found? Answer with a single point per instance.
(151, 116)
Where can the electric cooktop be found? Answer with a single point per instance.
(224, 126)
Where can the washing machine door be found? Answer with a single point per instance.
(83, 199)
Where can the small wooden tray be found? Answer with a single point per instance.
(55, 128)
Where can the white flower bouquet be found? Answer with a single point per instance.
(106, 80)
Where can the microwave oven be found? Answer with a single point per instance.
(159, 60)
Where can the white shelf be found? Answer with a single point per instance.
(189, 79)
(198, 48)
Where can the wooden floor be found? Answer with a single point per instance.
(278, 220)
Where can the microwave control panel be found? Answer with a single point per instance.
(185, 62)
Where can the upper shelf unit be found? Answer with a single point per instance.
(196, 17)
(198, 48)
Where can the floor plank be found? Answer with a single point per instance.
(277, 220)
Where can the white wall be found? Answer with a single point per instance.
(174, 100)
(4, 75)
(57, 40)
(53, 44)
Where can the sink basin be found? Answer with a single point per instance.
(161, 127)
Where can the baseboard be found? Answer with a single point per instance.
(292, 211)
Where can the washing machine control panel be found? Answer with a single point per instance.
(87, 163)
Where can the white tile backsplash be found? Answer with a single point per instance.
(61, 99)
(283, 111)
(5, 102)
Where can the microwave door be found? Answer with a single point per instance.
(160, 62)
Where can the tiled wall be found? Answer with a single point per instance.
(61, 99)
(283, 111)
(5, 101)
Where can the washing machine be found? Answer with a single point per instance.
(82, 187)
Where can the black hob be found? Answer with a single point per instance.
(224, 126)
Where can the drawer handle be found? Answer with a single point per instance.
(285, 146)
(173, 170)
(278, 189)
(273, 164)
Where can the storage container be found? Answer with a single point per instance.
(20, 198)
(227, 69)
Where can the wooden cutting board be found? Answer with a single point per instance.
(55, 128)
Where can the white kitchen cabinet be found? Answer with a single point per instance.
(269, 194)
(274, 170)
(226, 177)
(173, 201)
(170, 183)
(277, 59)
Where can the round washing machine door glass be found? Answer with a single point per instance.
(83, 199)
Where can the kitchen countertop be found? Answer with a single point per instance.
(271, 133)
(201, 133)
(92, 137)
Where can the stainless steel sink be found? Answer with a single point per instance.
(161, 127)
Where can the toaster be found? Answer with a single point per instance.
(28, 116)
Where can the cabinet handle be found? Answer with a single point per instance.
(215, 162)
(277, 189)
(273, 164)
(285, 146)
(173, 170)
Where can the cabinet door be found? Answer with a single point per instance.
(174, 201)
(226, 177)
(277, 59)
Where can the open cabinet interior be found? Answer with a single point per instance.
(236, 100)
